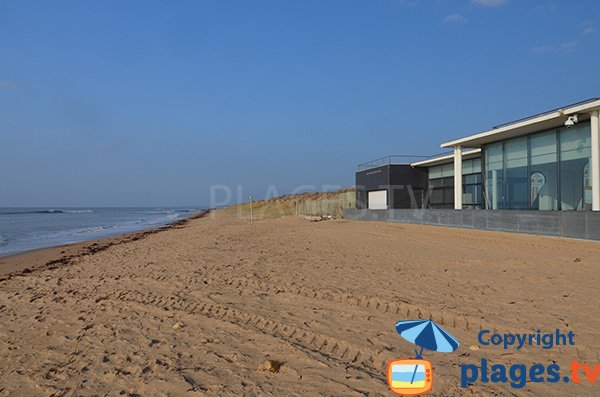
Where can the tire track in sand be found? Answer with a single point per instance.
(447, 317)
(363, 359)
(371, 362)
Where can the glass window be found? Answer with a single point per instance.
(472, 195)
(441, 192)
(471, 179)
(472, 190)
(545, 171)
(494, 176)
(575, 179)
(448, 170)
(471, 166)
(448, 182)
(437, 197)
(516, 179)
(435, 172)
(467, 166)
(435, 183)
(543, 178)
(449, 195)
(477, 165)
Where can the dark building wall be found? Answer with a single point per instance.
(368, 180)
(406, 186)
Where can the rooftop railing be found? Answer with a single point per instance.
(395, 159)
(544, 113)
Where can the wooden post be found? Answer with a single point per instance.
(251, 208)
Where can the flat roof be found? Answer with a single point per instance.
(543, 121)
(447, 158)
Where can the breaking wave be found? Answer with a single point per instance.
(51, 211)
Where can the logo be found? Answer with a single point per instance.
(410, 377)
(413, 377)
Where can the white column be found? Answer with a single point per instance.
(595, 166)
(494, 189)
(458, 190)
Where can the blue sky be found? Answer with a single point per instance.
(127, 103)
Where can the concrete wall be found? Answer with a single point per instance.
(576, 224)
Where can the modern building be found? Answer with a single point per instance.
(549, 161)
(391, 182)
(440, 172)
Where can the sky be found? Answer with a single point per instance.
(130, 103)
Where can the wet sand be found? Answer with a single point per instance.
(197, 309)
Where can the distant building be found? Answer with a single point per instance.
(549, 161)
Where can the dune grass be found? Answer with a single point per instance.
(317, 203)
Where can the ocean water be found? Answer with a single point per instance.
(24, 229)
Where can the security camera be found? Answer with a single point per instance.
(571, 121)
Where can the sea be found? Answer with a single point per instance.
(25, 229)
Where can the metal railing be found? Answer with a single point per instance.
(392, 159)
(396, 159)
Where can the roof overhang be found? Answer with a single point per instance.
(448, 158)
(526, 126)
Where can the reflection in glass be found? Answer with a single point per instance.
(494, 181)
(575, 181)
(516, 179)
(543, 178)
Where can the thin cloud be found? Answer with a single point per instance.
(7, 85)
(589, 31)
(489, 3)
(455, 18)
(544, 8)
(405, 3)
(563, 48)
(19, 136)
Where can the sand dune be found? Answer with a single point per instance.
(199, 308)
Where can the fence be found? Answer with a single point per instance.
(327, 207)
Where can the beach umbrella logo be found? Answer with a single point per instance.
(412, 377)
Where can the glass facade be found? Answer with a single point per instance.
(494, 176)
(543, 176)
(472, 193)
(543, 171)
(515, 174)
(441, 185)
(575, 160)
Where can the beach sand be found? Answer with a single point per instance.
(198, 308)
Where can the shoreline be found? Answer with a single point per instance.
(51, 257)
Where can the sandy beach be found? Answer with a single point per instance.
(198, 308)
